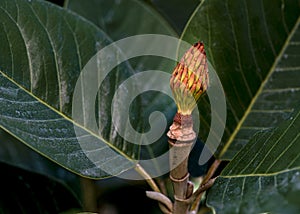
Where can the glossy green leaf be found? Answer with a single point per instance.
(254, 47)
(265, 175)
(45, 49)
(123, 18)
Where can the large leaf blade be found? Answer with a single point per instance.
(46, 49)
(245, 41)
(122, 19)
(51, 133)
(264, 176)
(125, 18)
(257, 194)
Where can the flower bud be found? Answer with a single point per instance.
(190, 79)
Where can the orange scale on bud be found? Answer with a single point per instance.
(192, 75)
(184, 73)
(191, 80)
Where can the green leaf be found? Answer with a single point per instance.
(254, 47)
(123, 18)
(264, 177)
(45, 49)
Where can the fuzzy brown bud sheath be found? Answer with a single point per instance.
(190, 79)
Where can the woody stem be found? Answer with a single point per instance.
(181, 139)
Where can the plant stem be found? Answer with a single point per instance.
(207, 182)
(147, 177)
(211, 171)
(162, 185)
(165, 203)
(89, 191)
(201, 190)
(188, 82)
(181, 139)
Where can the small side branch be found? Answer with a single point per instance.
(213, 168)
(164, 201)
(206, 184)
(147, 177)
(201, 190)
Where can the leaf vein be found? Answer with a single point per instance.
(25, 44)
(54, 55)
(267, 29)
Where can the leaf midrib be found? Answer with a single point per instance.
(271, 71)
(261, 174)
(63, 116)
